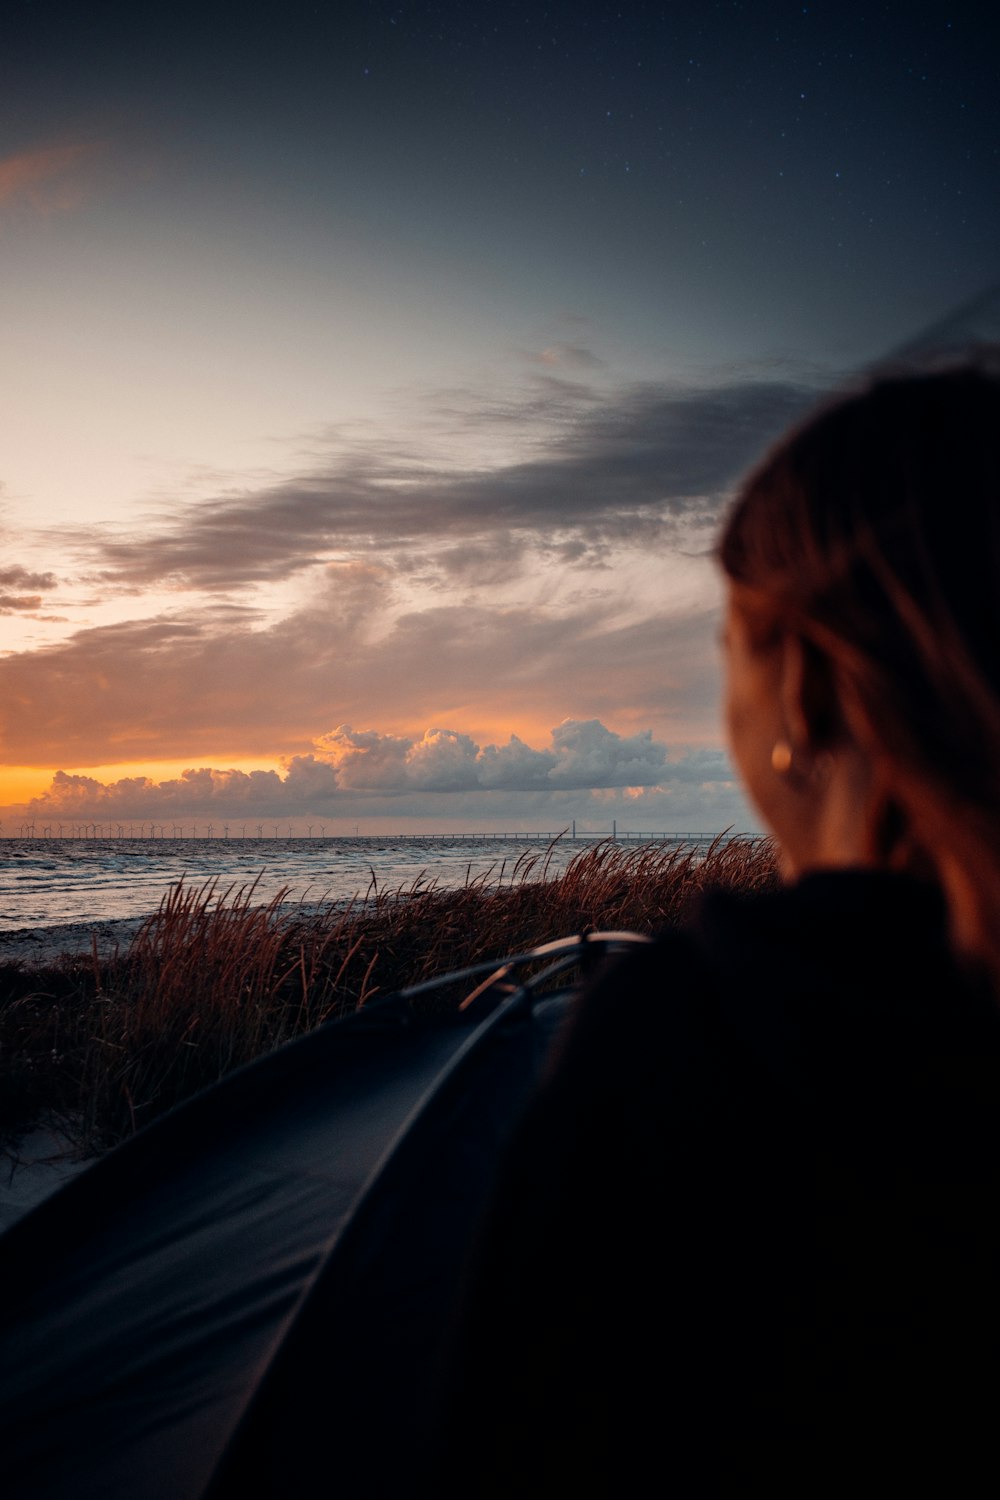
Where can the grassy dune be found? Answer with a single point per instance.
(101, 1047)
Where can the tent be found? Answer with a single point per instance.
(260, 1282)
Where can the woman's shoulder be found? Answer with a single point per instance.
(839, 996)
(843, 938)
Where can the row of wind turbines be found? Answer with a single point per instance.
(154, 831)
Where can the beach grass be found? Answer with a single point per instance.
(98, 1047)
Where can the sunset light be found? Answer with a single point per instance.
(343, 391)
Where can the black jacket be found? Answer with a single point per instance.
(750, 1232)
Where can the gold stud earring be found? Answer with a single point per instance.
(781, 757)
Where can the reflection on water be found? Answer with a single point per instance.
(44, 881)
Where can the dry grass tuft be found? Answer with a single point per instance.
(215, 979)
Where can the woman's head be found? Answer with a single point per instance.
(863, 557)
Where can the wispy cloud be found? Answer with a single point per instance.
(577, 356)
(189, 686)
(17, 577)
(490, 602)
(621, 467)
(46, 179)
(16, 603)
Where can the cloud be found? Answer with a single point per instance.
(380, 772)
(609, 469)
(45, 179)
(590, 755)
(583, 754)
(198, 791)
(481, 563)
(11, 603)
(18, 577)
(515, 764)
(541, 590)
(191, 686)
(575, 355)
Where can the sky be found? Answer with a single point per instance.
(375, 378)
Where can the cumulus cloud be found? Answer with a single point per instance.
(582, 754)
(588, 754)
(515, 764)
(378, 771)
(203, 791)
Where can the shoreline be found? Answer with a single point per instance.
(46, 944)
(408, 934)
(49, 942)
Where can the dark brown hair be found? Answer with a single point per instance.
(873, 531)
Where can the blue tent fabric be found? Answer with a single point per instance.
(263, 1278)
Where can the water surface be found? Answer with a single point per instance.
(50, 881)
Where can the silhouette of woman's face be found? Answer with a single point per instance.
(753, 716)
(767, 735)
(814, 791)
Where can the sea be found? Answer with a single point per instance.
(51, 881)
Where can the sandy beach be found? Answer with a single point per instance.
(43, 945)
(43, 1160)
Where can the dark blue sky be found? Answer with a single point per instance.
(769, 175)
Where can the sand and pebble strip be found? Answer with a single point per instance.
(47, 944)
(29, 1173)
(44, 945)
(44, 1160)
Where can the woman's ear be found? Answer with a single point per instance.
(809, 701)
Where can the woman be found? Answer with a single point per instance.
(750, 1233)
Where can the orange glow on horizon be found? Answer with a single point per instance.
(20, 783)
(172, 770)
